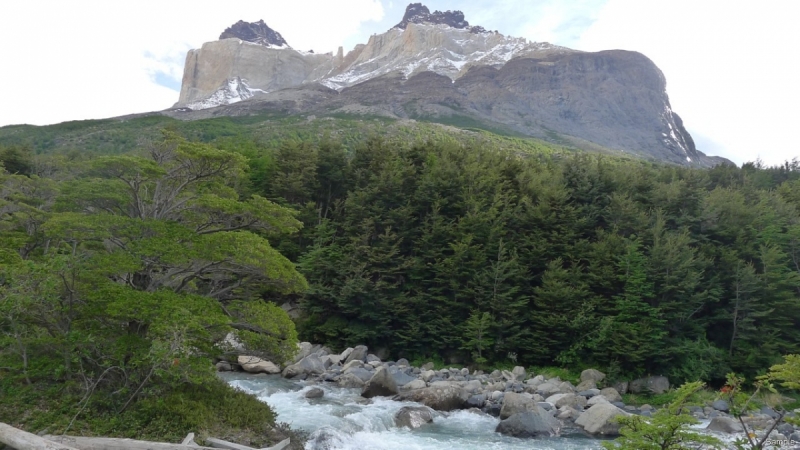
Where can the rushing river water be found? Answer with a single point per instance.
(342, 420)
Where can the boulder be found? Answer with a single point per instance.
(535, 381)
(721, 405)
(530, 424)
(331, 360)
(596, 399)
(223, 366)
(315, 393)
(346, 353)
(725, 425)
(303, 349)
(599, 419)
(568, 413)
(358, 354)
(611, 395)
(592, 375)
(416, 384)
(401, 379)
(653, 385)
(445, 398)
(476, 401)
(586, 385)
(310, 365)
(252, 364)
(572, 400)
(352, 365)
(547, 389)
(350, 380)
(514, 403)
(363, 374)
(372, 358)
(381, 384)
(413, 416)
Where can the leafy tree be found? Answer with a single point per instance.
(668, 429)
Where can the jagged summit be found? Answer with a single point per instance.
(420, 14)
(255, 32)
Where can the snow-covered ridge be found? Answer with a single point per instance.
(441, 49)
(235, 90)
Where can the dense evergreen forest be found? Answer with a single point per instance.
(473, 254)
(121, 267)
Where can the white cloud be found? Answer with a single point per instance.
(92, 59)
(730, 67)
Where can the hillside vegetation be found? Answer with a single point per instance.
(126, 253)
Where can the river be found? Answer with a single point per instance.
(342, 420)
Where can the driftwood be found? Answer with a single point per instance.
(22, 440)
(219, 443)
(99, 443)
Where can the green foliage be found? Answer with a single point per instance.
(476, 333)
(122, 274)
(668, 429)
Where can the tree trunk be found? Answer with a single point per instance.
(22, 440)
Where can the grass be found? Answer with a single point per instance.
(212, 410)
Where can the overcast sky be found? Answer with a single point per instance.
(731, 67)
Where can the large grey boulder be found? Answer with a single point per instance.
(416, 384)
(413, 416)
(253, 364)
(444, 398)
(358, 354)
(401, 378)
(547, 389)
(310, 365)
(350, 380)
(303, 349)
(586, 385)
(514, 403)
(381, 384)
(600, 419)
(572, 400)
(315, 393)
(725, 425)
(721, 405)
(653, 385)
(592, 375)
(363, 374)
(530, 424)
(611, 395)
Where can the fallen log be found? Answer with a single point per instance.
(102, 443)
(22, 440)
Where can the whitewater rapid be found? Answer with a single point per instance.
(343, 420)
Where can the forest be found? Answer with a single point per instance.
(121, 269)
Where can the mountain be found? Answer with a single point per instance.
(436, 66)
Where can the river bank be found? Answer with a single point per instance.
(511, 404)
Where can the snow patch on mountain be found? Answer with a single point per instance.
(234, 90)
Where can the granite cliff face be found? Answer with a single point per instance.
(435, 66)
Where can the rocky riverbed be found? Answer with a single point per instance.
(527, 405)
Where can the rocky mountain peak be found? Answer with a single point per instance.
(256, 32)
(419, 13)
